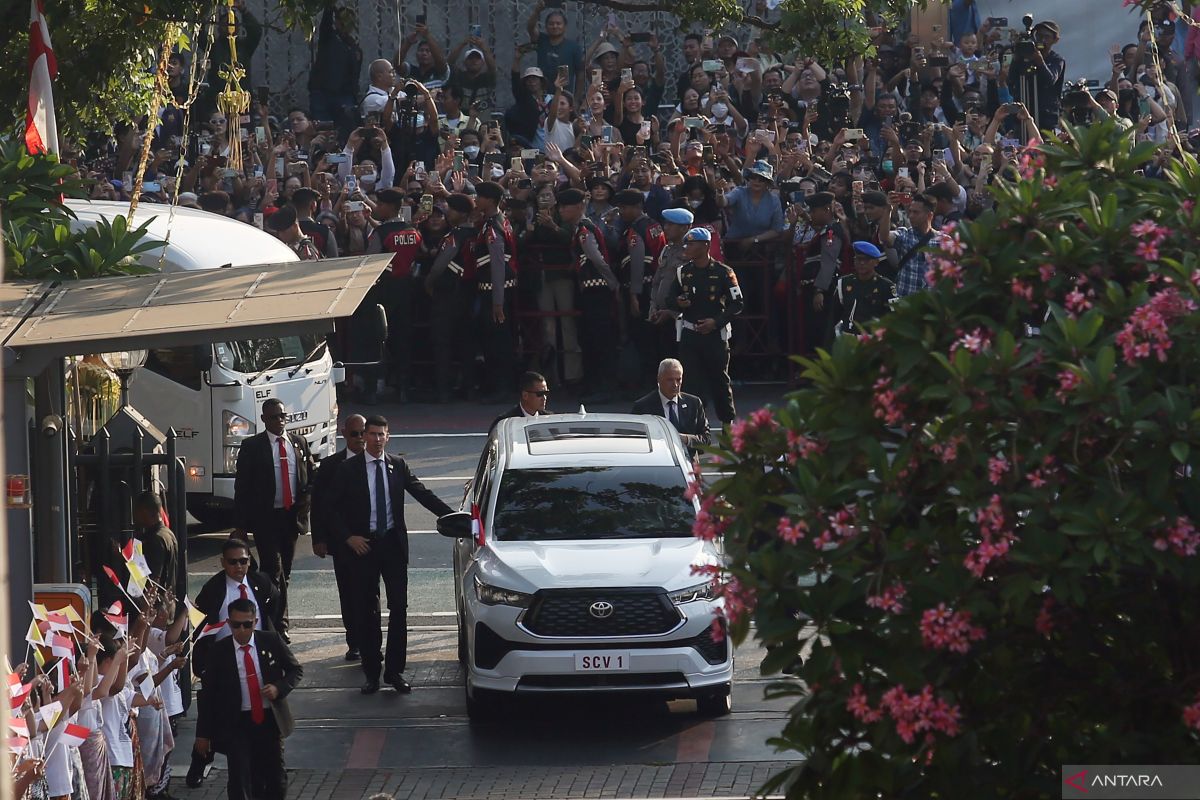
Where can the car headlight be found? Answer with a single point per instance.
(701, 591)
(496, 596)
(236, 427)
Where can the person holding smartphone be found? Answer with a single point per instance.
(431, 69)
(553, 48)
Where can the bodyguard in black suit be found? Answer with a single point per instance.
(245, 713)
(685, 411)
(369, 495)
(534, 395)
(274, 510)
(325, 541)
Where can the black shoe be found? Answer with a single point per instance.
(352, 654)
(197, 772)
(370, 687)
(398, 683)
(287, 638)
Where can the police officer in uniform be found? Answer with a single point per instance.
(399, 237)
(863, 296)
(821, 240)
(597, 289)
(676, 222)
(707, 294)
(451, 283)
(644, 241)
(495, 253)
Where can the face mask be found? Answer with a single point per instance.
(471, 151)
(695, 203)
(720, 110)
(367, 177)
(497, 172)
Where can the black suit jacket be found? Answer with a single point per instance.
(693, 422)
(212, 595)
(221, 695)
(323, 506)
(352, 498)
(515, 411)
(254, 483)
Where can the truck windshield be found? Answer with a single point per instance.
(592, 503)
(252, 355)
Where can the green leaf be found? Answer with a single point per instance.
(1180, 450)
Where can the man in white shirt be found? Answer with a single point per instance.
(383, 81)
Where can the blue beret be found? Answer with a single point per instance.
(698, 235)
(867, 249)
(678, 216)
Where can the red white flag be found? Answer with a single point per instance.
(14, 684)
(74, 735)
(120, 622)
(18, 727)
(41, 129)
(211, 630)
(62, 646)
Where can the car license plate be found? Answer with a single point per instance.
(602, 662)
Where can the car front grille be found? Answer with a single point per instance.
(574, 613)
(615, 680)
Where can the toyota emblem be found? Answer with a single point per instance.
(601, 609)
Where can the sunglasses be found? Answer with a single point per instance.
(274, 416)
(246, 624)
(354, 434)
(241, 562)
(543, 393)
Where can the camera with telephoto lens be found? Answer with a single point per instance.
(1024, 46)
(837, 99)
(1076, 101)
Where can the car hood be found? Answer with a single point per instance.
(529, 566)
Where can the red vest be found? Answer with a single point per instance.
(655, 240)
(403, 241)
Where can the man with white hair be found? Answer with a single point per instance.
(685, 411)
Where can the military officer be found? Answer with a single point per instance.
(644, 241)
(862, 296)
(707, 295)
(597, 290)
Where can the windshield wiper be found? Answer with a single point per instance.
(315, 350)
(273, 362)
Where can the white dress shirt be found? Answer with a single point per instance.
(391, 517)
(241, 665)
(291, 459)
(233, 591)
(662, 398)
(525, 413)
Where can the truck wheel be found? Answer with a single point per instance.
(715, 705)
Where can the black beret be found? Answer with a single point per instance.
(570, 197)
(630, 197)
(460, 203)
(391, 197)
(490, 190)
(820, 200)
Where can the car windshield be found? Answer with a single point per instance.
(592, 503)
(252, 355)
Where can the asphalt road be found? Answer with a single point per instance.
(339, 729)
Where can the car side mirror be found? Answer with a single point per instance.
(456, 525)
(380, 329)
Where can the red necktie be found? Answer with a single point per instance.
(242, 589)
(283, 475)
(256, 701)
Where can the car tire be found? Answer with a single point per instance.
(462, 641)
(718, 704)
(482, 705)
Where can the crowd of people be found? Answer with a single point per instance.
(785, 160)
(601, 218)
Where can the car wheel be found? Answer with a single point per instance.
(715, 705)
(482, 705)
(462, 641)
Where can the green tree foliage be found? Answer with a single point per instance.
(38, 240)
(971, 539)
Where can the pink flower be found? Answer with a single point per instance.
(1022, 289)
(1147, 328)
(737, 435)
(739, 600)
(801, 446)
(943, 629)
(858, 705)
(1180, 537)
(995, 538)
(947, 451)
(1068, 381)
(791, 532)
(891, 600)
(1191, 714)
(887, 403)
(1077, 302)
(919, 713)
(1035, 479)
(997, 467)
(1146, 250)
(763, 419)
(1044, 624)
(708, 524)
(1046, 271)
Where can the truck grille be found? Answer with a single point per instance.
(570, 613)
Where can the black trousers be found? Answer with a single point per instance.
(498, 343)
(598, 339)
(705, 359)
(399, 341)
(450, 336)
(255, 755)
(644, 338)
(341, 555)
(385, 560)
(275, 541)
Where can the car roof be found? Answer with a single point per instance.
(570, 440)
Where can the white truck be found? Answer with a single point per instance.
(212, 395)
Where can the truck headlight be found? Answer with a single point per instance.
(231, 454)
(236, 427)
(496, 596)
(701, 591)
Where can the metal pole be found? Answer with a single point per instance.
(11, 579)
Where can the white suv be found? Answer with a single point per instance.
(573, 566)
